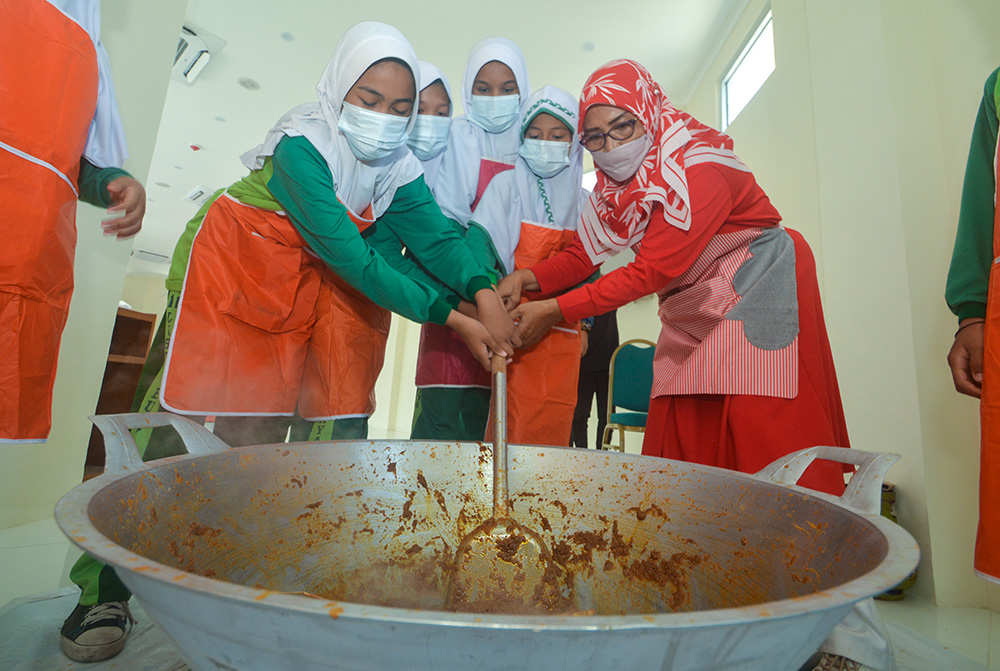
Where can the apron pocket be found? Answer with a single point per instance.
(277, 286)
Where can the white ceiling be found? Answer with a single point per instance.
(285, 47)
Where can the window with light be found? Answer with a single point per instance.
(749, 71)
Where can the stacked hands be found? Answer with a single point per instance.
(498, 322)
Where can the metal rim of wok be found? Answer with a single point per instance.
(901, 557)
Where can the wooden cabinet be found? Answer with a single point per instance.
(129, 344)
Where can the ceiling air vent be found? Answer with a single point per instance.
(199, 195)
(151, 257)
(195, 49)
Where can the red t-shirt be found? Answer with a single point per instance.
(721, 198)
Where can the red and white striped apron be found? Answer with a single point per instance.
(699, 350)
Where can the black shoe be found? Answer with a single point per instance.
(93, 633)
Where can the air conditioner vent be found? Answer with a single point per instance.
(195, 48)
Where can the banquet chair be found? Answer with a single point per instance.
(629, 387)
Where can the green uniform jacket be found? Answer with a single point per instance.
(93, 183)
(972, 258)
(298, 181)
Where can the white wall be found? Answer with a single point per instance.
(860, 137)
(394, 390)
(145, 293)
(141, 38)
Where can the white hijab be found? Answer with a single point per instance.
(356, 183)
(455, 188)
(520, 195)
(105, 146)
(428, 75)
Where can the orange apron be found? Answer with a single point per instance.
(48, 75)
(542, 380)
(443, 358)
(264, 327)
(987, 557)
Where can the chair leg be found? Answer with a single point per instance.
(610, 429)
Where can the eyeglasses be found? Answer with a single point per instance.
(620, 131)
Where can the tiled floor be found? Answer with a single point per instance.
(972, 632)
(34, 558)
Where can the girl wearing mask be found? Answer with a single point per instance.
(290, 274)
(294, 270)
(429, 136)
(427, 140)
(525, 216)
(743, 372)
(453, 394)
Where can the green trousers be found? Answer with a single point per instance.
(97, 581)
(450, 413)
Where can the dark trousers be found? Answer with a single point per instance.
(591, 384)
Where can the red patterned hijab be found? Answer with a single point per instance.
(617, 214)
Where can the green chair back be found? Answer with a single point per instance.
(632, 375)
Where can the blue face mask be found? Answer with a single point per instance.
(371, 135)
(546, 159)
(429, 136)
(494, 114)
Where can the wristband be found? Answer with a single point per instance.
(978, 321)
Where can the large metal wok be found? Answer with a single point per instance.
(337, 555)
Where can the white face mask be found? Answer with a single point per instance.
(546, 159)
(495, 114)
(429, 136)
(622, 162)
(371, 135)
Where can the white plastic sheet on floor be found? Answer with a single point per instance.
(29, 641)
(916, 652)
(29, 638)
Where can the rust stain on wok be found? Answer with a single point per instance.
(665, 572)
(628, 550)
(439, 498)
(619, 548)
(641, 514)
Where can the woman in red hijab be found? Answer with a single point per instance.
(743, 372)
